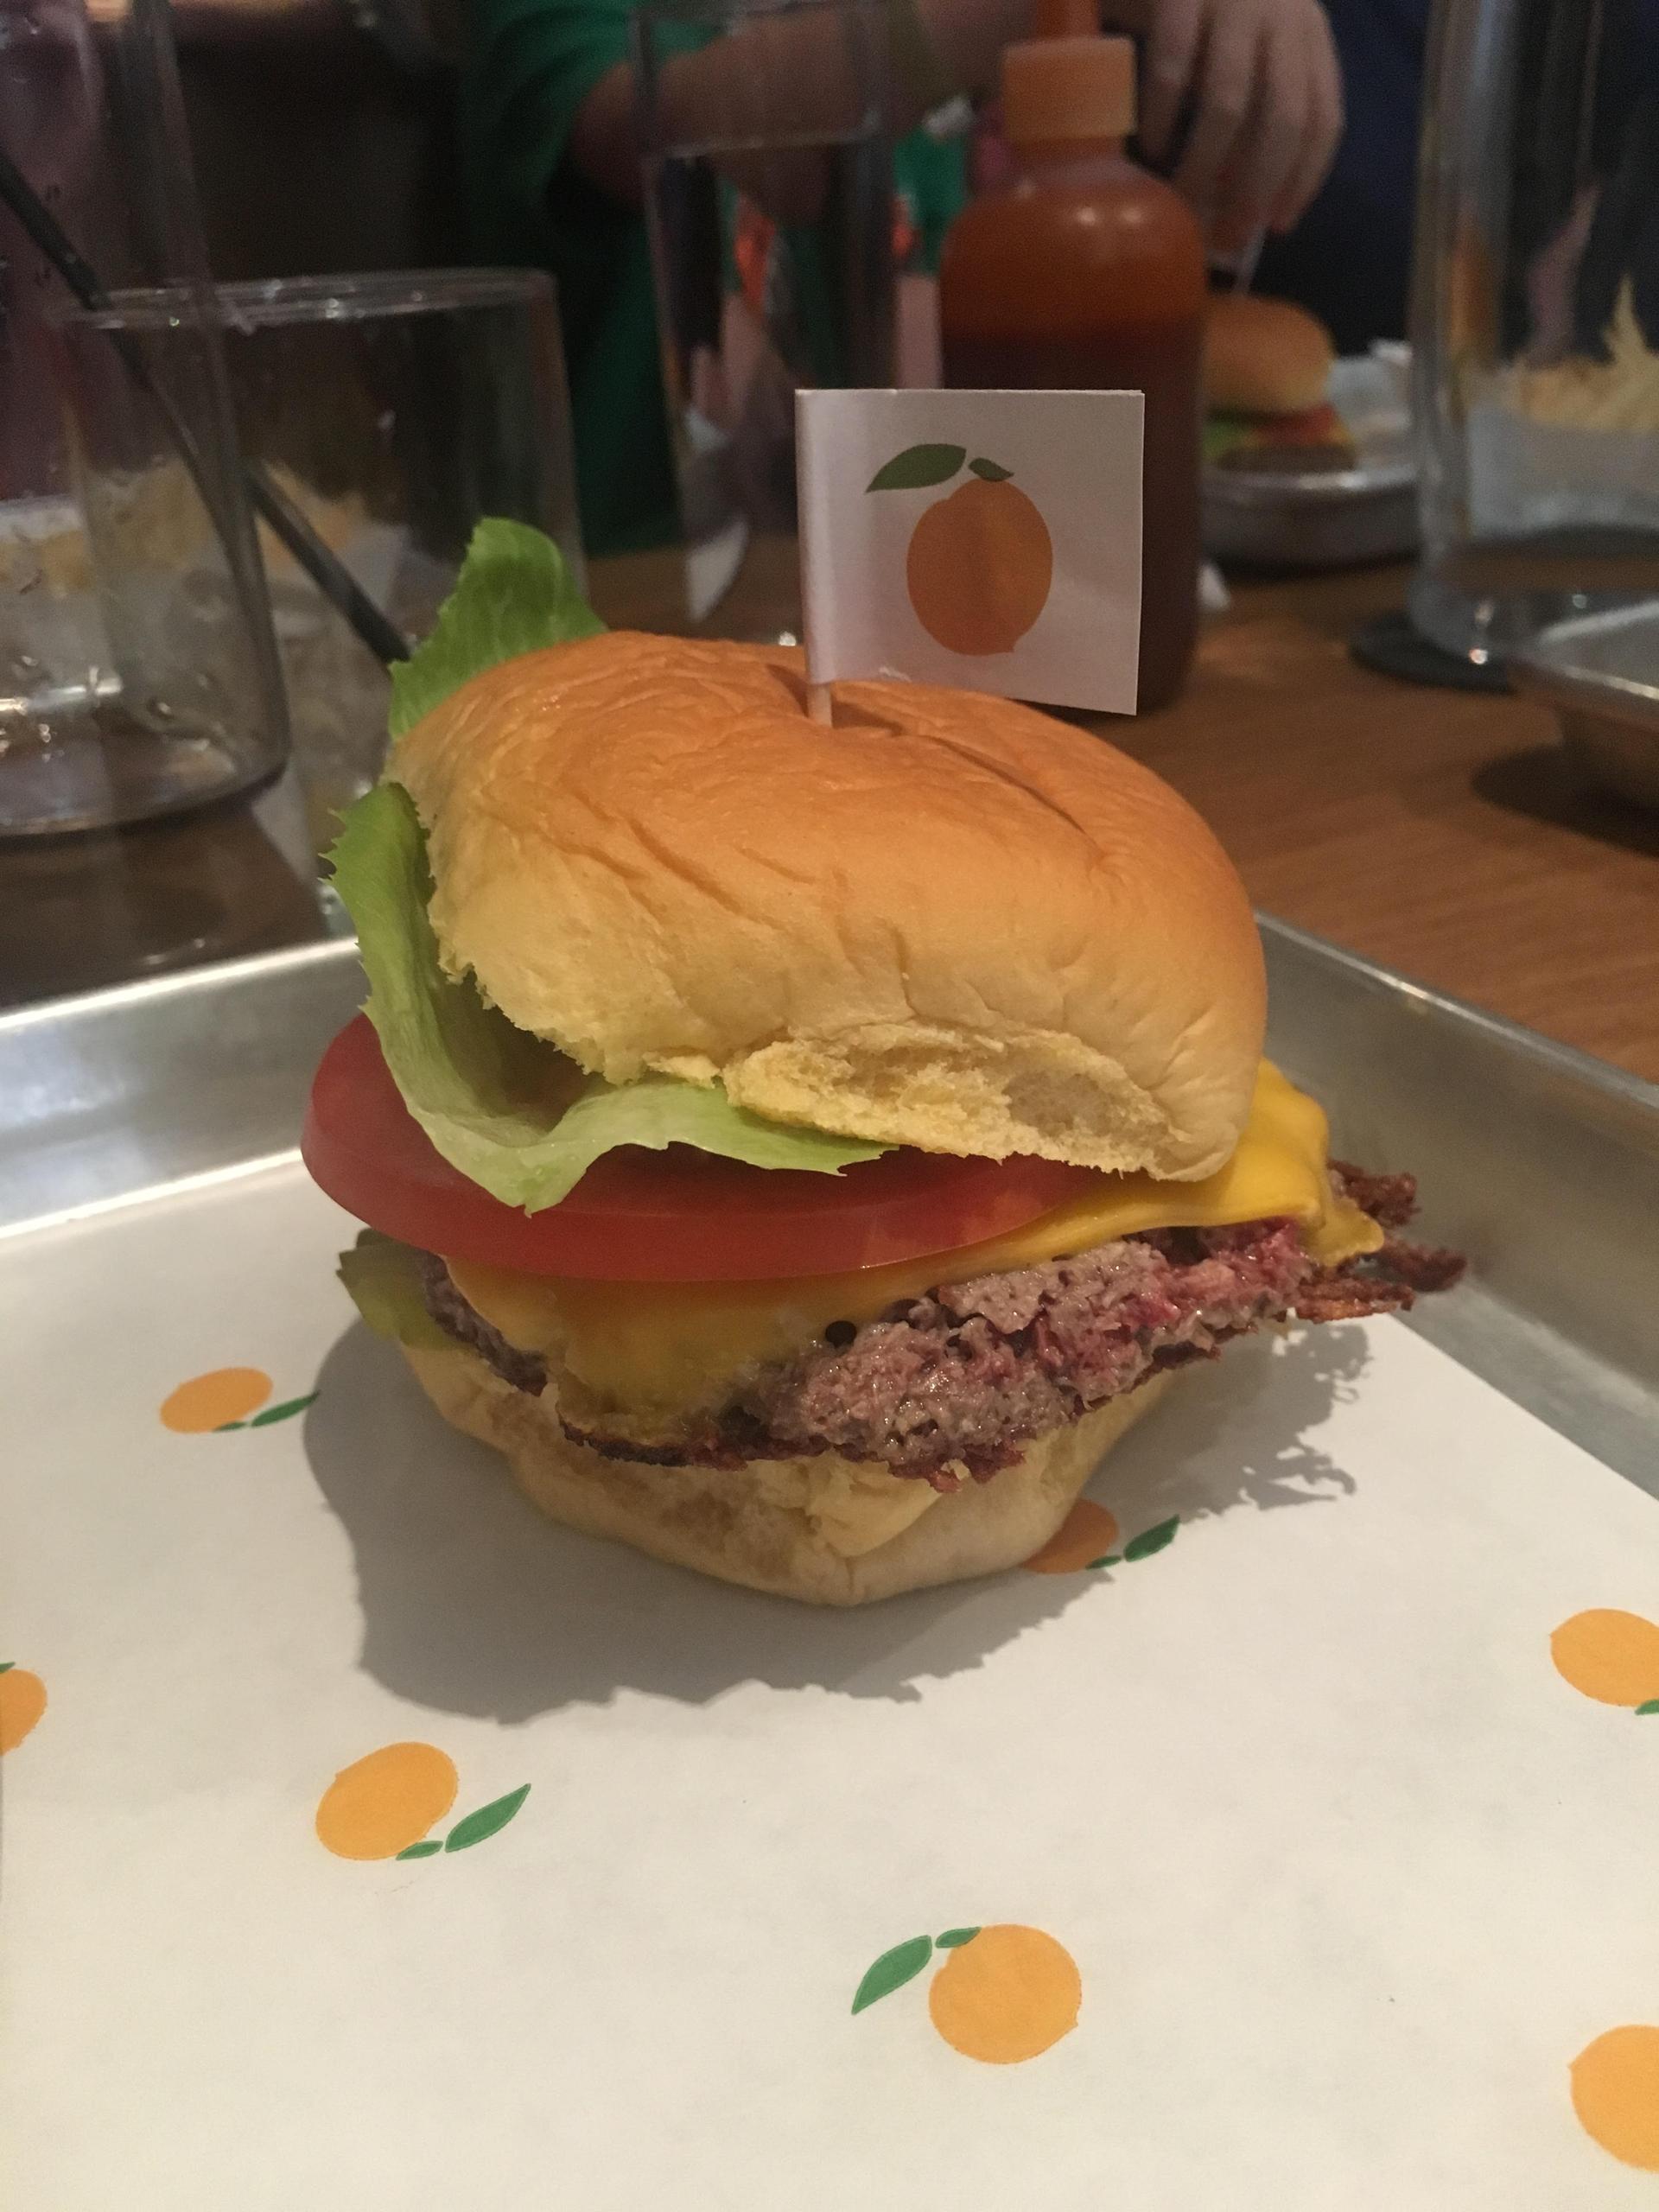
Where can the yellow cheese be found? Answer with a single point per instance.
(670, 1346)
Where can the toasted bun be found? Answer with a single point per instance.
(1263, 357)
(948, 921)
(798, 1527)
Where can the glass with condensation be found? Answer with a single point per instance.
(395, 411)
(131, 690)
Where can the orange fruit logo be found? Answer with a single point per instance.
(1616, 2093)
(1082, 1540)
(1087, 1538)
(1613, 1656)
(227, 1397)
(22, 1701)
(1004, 1993)
(1610, 1656)
(981, 561)
(382, 1805)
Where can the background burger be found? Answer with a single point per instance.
(1267, 372)
(803, 1151)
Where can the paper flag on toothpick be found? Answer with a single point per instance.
(986, 539)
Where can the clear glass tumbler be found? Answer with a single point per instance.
(125, 695)
(1536, 317)
(395, 411)
(770, 202)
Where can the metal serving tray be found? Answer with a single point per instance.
(1600, 672)
(1329, 520)
(1539, 1162)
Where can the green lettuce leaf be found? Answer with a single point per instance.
(1221, 434)
(512, 1113)
(383, 1279)
(514, 594)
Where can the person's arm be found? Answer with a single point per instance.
(1260, 77)
(605, 137)
(720, 92)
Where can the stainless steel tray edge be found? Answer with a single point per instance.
(1600, 673)
(111, 1094)
(1377, 523)
(1539, 1161)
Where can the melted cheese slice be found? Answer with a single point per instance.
(661, 1349)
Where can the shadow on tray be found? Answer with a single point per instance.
(472, 1603)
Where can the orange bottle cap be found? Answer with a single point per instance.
(1067, 87)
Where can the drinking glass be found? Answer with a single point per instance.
(395, 411)
(1536, 317)
(771, 241)
(139, 692)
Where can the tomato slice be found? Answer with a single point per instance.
(678, 1216)
(1312, 426)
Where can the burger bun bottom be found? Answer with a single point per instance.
(796, 1528)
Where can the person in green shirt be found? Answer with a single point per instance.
(1247, 90)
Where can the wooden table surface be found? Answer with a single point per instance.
(1439, 832)
(1436, 831)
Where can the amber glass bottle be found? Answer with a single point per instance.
(1084, 273)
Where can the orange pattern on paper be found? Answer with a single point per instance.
(1616, 2093)
(1087, 1533)
(1008, 1994)
(22, 1701)
(1611, 1656)
(208, 1401)
(381, 1804)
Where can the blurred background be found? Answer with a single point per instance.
(1422, 485)
(326, 136)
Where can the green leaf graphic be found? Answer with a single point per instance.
(224, 1427)
(286, 1411)
(990, 471)
(917, 466)
(420, 1850)
(486, 1820)
(1112, 1559)
(1650, 1706)
(6, 1666)
(1153, 1540)
(893, 1970)
(953, 1938)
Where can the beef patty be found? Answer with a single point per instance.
(961, 1380)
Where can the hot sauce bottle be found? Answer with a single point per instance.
(1081, 272)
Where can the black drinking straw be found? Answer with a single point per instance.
(324, 567)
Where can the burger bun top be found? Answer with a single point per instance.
(1263, 357)
(947, 921)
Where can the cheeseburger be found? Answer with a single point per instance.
(803, 1151)
(1267, 372)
